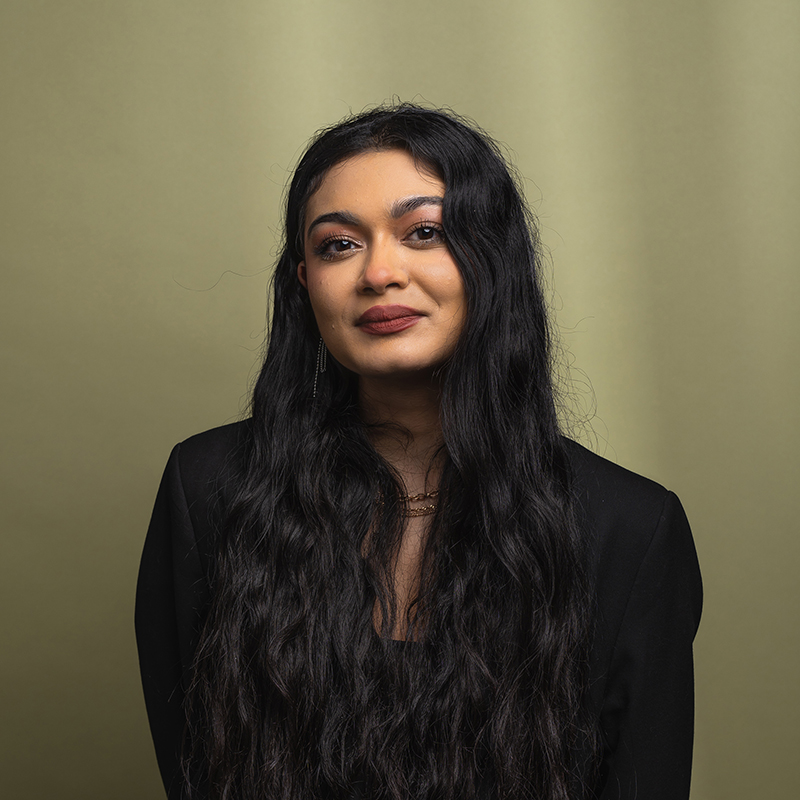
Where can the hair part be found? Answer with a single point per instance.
(294, 694)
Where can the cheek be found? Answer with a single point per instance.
(319, 294)
(459, 319)
(326, 303)
(452, 288)
(458, 304)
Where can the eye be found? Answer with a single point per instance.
(334, 247)
(426, 233)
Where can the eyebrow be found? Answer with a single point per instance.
(342, 217)
(409, 204)
(399, 209)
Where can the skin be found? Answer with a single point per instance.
(374, 237)
(378, 252)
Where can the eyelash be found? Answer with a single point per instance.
(321, 249)
(433, 226)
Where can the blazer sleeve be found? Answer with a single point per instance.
(166, 619)
(647, 716)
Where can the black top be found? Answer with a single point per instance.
(644, 573)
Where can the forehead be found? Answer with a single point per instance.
(374, 179)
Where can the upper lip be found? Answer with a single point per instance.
(385, 313)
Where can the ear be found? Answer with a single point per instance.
(301, 274)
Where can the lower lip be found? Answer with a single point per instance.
(387, 326)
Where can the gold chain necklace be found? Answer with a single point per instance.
(420, 511)
(409, 498)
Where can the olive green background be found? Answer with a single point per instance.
(145, 146)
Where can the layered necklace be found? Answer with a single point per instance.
(419, 511)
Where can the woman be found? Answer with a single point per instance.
(397, 579)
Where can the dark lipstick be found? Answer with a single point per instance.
(382, 320)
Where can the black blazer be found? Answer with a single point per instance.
(648, 599)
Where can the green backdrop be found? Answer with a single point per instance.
(145, 146)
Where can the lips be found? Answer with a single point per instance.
(383, 320)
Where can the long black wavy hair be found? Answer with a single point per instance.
(295, 694)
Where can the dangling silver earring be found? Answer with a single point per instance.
(322, 362)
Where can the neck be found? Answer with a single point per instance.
(407, 430)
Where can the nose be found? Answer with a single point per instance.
(383, 269)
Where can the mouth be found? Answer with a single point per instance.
(383, 320)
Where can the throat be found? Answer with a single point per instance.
(406, 579)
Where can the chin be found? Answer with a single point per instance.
(399, 370)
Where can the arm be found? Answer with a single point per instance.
(169, 561)
(647, 716)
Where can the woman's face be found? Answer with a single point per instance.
(387, 295)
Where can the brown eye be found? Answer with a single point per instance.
(427, 234)
(334, 247)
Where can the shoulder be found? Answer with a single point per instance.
(205, 458)
(198, 481)
(605, 489)
(636, 529)
(619, 510)
(642, 556)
